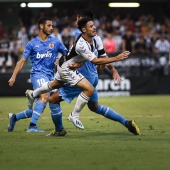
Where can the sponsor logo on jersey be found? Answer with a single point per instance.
(80, 75)
(46, 55)
(51, 45)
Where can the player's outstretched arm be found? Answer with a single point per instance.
(119, 57)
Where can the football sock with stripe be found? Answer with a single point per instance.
(38, 109)
(110, 114)
(82, 100)
(24, 114)
(56, 115)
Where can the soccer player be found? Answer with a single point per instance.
(43, 51)
(82, 50)
(89, 71)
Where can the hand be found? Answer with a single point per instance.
(11, 81)
(116, 77)
(123, 55)
(56, 62)
(75, 65)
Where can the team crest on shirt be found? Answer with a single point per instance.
(80, 75)
(51, 45)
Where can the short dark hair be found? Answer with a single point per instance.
(85, 13)
(43, 20)
(82, 23)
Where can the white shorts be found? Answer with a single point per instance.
(68, 76)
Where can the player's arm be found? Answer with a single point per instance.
(108, 60)
(88, 55)
(76, 65)
(17, 69)
(114, 72)
(100, 68)
(109, 68)
(20, 64)
(85, 52)
(63, 50)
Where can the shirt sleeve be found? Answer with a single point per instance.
(100, 48)
(62, 49)
(27, 51)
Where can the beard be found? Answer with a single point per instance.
(46, 33)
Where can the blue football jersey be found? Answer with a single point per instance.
(43, 54)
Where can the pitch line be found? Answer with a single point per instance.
(101, 117)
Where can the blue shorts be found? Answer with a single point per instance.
(68, 93)
(38, 79)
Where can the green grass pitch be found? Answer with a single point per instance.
(102, 145)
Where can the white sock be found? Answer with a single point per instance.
(43, 89)
(82, 100)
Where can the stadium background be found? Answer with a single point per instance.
(142, 74)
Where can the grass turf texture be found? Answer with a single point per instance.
(103, 145)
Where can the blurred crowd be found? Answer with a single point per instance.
(141, 35)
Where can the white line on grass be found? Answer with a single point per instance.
(101, 117)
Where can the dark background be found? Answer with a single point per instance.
(150, 83)
(9, 8)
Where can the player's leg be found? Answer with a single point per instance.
(40, 103)
(66, 93)
(44, 88)
(56, 115)
(37, 111)
(111, 114)
(16, 117)
(82, 100)
(74, 78)
(104, 110)
(47, 87)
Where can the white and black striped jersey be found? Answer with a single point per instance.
(82, 51)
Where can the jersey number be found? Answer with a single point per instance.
(40, 82)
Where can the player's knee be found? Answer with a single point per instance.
(28, 112)
(91, 89)
(55, 98)
(55, 84)
(43, 99)
(92, 106)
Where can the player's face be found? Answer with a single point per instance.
(90, 29)
(48, 28)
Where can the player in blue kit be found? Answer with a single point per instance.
(89, 71)
(43, 51)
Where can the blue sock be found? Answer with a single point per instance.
(38, 109)
(110, 114)
(24, 114)
(56, 114)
